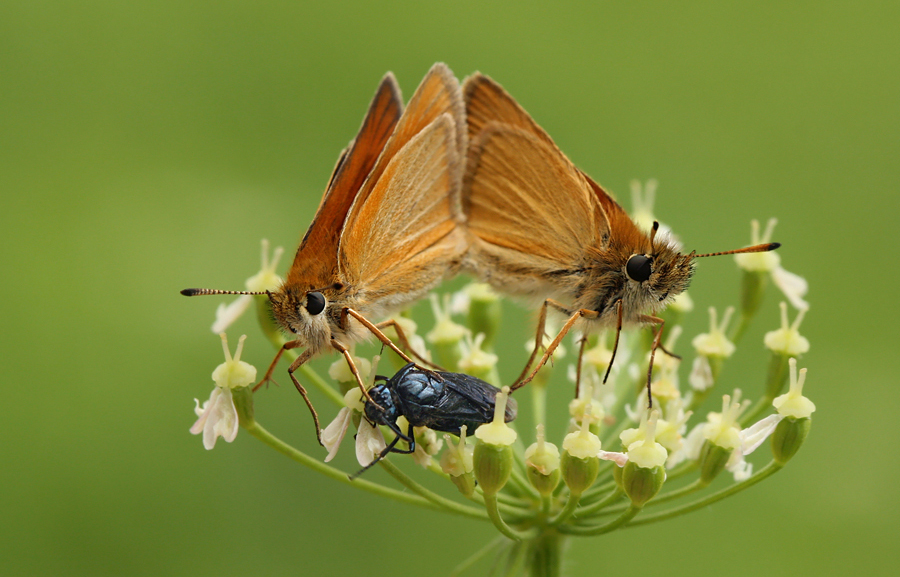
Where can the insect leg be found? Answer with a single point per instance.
(268, 376)
(384, 453)
(559, 337)
(584, 341)
(410, 438)
(656, 339)
(612, 357)
(401, 336)
(349, 358)
(305, 356)
(539, 335)
(374, 330)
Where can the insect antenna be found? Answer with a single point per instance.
(194, 292)
(765, 247)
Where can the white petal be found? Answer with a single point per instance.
(369, 443)
(220, 419)
(334, 433)
(793, 286)
(618, 458)
(227, 314)
(753, 436)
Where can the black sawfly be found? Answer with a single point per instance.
(438, 400)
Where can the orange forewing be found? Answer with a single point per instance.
(315, 264)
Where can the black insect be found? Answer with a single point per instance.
(438, 400)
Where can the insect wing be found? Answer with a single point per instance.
(316, 260)
(401, 235)
(530, 211)
(481, 394)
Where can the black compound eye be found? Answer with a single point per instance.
(315, 302)
(638, 267)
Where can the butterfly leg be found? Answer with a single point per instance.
(581, 313)
(349, 358)
(656, 340)
(583, 344)
(268, 376)
(305, 356)
(539, 335)
(404, 342)
(374, 330)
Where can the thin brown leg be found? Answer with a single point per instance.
(584, 340)
(539, 335)
(612, 357)
(555, 343)
(656, 341)
(268, 376)
(404, 342)
(349, 358)
(305, 356)
(374, 330)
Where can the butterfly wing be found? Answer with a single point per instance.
(401, 237)
(315, 264)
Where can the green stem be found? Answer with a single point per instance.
(257, 430)
(613, 496)
(490, 504)
(545, 555)
(567, 511)
(763, 473)
(624, 518)
(441, 502)
(478, 555)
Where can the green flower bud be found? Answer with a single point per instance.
(788, 437)
(641, 484)
(542, 464)
(457, 461)
(492, 465)
(579, 474)
(713, 459)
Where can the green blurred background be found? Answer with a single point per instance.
(147, 147)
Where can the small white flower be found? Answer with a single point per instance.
(586, 407)
(787, 340)
(218, 416)
(497, 432)
(701, 377)
(722, 429)
(340, 370)
(793, 286)
(475, 361)
(715, 343)
(427, 444)
(333, 434)
(793, 403)
(264, 280)
(458, 458)
(751, 438)
(582, 444)
(642, 201)
(643, 450)
(369, 443)
(445, 331)
(541, 455)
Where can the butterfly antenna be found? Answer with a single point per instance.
(193, 292)
(766, 247)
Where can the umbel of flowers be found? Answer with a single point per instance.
(624, 461)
